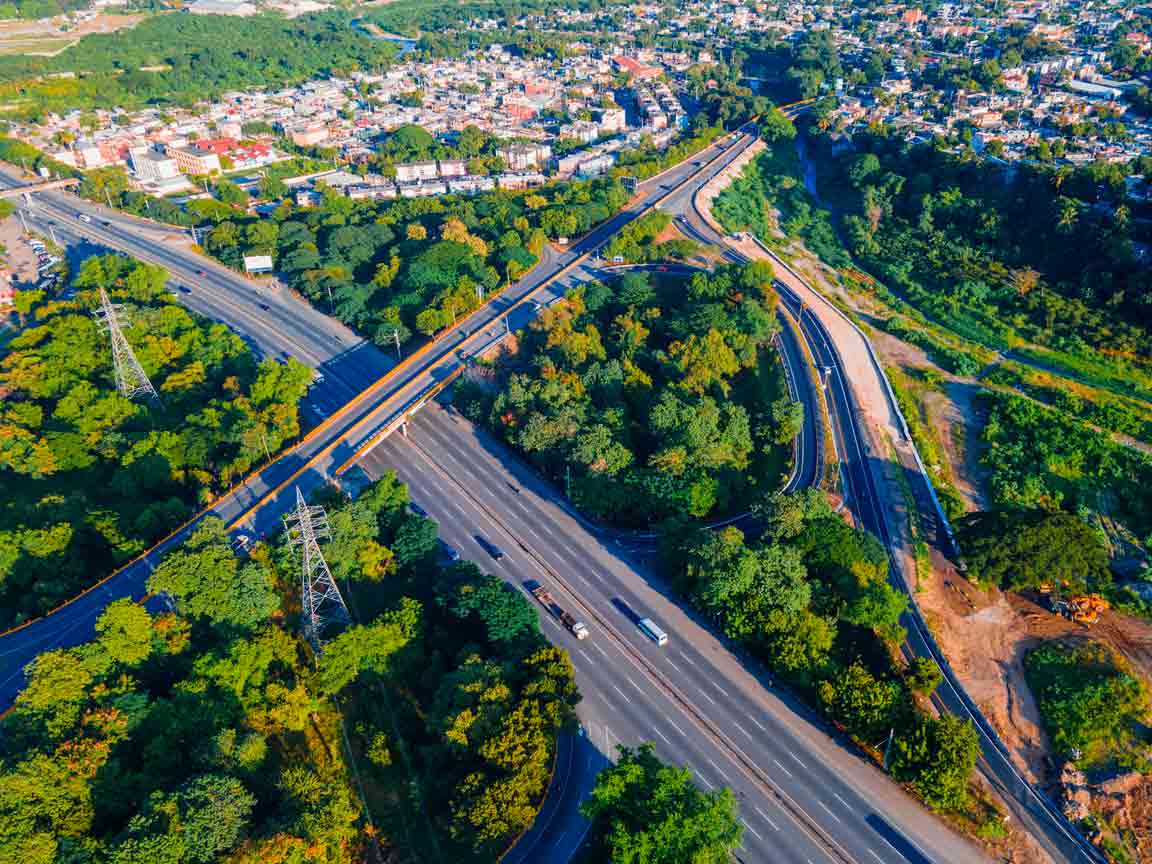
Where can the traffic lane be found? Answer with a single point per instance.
(285, 326)
(614, 710)
(610, 580)
(795, 361)
(620, 700)
(272, 332)
(559, 829)
(270, 341)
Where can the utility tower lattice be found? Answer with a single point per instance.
(320, 598)
(131, 380)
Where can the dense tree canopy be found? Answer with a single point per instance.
(89, 477)
(190, 58)
(1027, 548)
(178, 740)
(414, 266)
(646, 812)
(648, 395)
(1094, 708)
(214, 732)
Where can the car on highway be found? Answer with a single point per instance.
(450, 551)
(106, 224)
(417, 509)
(199, 272)
(83, 217)
(494, 551)
(183, 289)
(264, 306)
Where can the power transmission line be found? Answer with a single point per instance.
(131, 380)
(321, 602)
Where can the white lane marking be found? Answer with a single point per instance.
(639, 689)
(704, 780)
(560, 840)
(767, 818)
(758, 723)
(718, 687)
(781, 764)
(672, 723)
(755, 833)
(797, 760)
(687, 659)
(623, 695)
(587, 656)
(663, 737)
(888, 843)
(836, 795)
(601, 650)
(704, 693)
(828, 810)
(670, 663)
(877, 857)
(719, 770)
(741, 728)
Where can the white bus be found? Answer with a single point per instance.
(653, 632)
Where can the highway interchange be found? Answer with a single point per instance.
(803, 796)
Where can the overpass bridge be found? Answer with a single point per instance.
(40, 187)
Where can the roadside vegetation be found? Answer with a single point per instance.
(810, 597)
(648, 398)
(644, 810)
(91, 478)
(636, 242)
(1028, 285)
(1095, 710)
(213, 732)
(395, 269)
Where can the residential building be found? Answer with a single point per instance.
(193, 160)
(412, 172)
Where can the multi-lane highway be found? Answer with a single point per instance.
(255, 506)
(803, 795)
(273, 321)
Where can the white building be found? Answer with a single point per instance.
(411, 172)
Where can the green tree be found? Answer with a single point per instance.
(124, 632)
(208, 581)
(937, 755)
(645, 812)
(1022, 549)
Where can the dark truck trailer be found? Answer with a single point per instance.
(576, 628)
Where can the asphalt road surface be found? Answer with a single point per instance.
(803, 794)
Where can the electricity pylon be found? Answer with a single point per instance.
(131, 380)
(320, 598)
